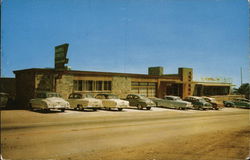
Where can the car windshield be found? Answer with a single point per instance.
(177, 99)
(202, 100)
(111, 96)
(142, 96)
(53, 95)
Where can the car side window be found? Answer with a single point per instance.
(71, 96)
(77, 96)
(41, 95)
(168, 98)
(136, 97)
(100, 97)
(129, 97)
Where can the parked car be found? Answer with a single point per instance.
(111, 101)
(3, 99)
(238, 102)
(48, 100)
(215, 104)
(80, 101)
(198, 103)
(140, 101)
(174, 102)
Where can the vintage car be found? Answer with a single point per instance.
(174, 102)
(215, 104)
(140, 101)
(199, 103)
(3, 99)
(238, 102)
(79, 101)
(47, 101)
(111, 101)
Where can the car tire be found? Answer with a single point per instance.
(46, 110)
(139, 106)
(63, 110)
(148, 108)
(120, 109)
(94, 109)
(79, 107)
(30, 107)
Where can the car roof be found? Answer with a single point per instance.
(134, 95)
(46, 92)
(194, 97)
(172, 96)
(106, 94)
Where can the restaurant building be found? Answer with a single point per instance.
(153, 84)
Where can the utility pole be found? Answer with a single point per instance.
(240, 75)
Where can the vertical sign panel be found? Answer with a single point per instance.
(60, 56)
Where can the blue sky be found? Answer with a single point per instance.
(128, 36)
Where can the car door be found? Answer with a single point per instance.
(169, 102)
(130, 100)
(102, 98)
(135, 100)
(71, 100)
(37, 102)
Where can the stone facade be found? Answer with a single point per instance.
(64, 85)
(121, 86)
(44, 82)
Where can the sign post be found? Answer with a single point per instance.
(60, 56)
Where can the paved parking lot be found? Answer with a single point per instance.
(160, 134)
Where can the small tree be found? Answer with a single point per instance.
(245, 90)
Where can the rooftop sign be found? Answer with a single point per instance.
(216, 79)
(60, 56)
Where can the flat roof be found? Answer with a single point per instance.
(78, 72)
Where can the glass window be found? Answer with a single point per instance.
(80, 85)
(89, 85)
(143, 83)
(151, 84)
(107, 85)
(75, 85)
(99, 85)
(151, 92)
(135, 83)
(143, 91)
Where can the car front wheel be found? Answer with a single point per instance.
(139, 106)
(148, 108)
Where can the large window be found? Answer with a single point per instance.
(147, 89)
(91, 85)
